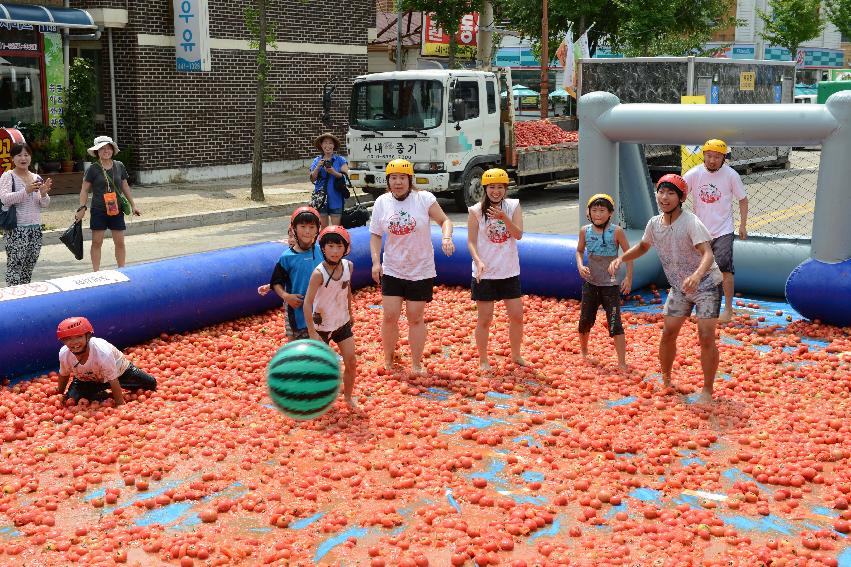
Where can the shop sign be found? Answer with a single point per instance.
(435, 41)
(747, 81)
(192, 35)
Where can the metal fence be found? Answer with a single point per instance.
(780, 182)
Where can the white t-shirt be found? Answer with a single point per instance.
(331, 302)
(712, 194)
(675, 245)
(408, 252)
(496, 247)
(105, 362)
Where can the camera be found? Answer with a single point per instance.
(327, 163)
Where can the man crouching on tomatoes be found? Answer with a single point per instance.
(95, 365)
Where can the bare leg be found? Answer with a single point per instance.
(323, 221)
(708, 355)
(620, 348)
(335, 219)
(414, 311)
(120, 249)
(668, 346)
(97, 244)
(515, 328)
(729, 288)
(392, 308)
(483, 323)
(347, 349)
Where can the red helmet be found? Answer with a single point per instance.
(73, 327)
(305, 210)
(335, 229)
(677, 181)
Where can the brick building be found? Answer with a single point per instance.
(198, 125)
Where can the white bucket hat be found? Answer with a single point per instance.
(100, 142)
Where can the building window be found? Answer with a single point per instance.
(20, 77)
(491, 92)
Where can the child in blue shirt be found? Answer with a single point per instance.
(291, 275)
(601, 239)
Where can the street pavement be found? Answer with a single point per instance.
(551, 211)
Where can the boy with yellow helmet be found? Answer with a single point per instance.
(715, 185)
(406, 271)
(601, 239)
(493, 228)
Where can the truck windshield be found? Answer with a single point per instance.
(397, 105)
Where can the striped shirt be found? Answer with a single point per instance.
(28, 205)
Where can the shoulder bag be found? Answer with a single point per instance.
(357, 215)
(123, 202)
(9, 216)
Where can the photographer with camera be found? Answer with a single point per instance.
(327, 172)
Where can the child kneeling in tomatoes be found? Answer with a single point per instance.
(95, 365)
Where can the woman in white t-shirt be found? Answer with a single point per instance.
(93, 365)
(493, 228)
(406, 271)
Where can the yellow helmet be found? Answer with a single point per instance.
(399, 166)
(714, 145)
(494, 175)
(604, 197)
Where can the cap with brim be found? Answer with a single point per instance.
(100, 142)
(329, 135)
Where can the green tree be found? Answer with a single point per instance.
(791, 22)
(81, 99)
(839, 14)
(261, 36)
(447, 14)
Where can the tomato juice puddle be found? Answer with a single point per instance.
(561, 460)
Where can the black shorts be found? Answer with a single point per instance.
(412, 290)
(593, 296)
(338, 335)
(99, 220)
(495, 290)
(132, 379)
(722, 248)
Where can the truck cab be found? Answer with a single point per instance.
(446, 122)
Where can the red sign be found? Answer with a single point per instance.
(435, 42)
(8, 136)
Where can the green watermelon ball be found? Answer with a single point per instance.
(304, 378)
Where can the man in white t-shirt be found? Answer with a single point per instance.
(714, 186)
(682, 243)
(95, 365)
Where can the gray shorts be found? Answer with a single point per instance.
(706, 304)
(722, 248)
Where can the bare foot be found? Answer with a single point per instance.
(726, 316)
(417, 369)
(484, 366)
(353, 403)
(519, 361)
(624, 367)
(589, 359)
(705, 397)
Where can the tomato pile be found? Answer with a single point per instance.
(559, 463)
(541, 133)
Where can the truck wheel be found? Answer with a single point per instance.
(471, 189)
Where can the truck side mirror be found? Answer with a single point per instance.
(459, 110)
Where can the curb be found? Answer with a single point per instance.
(163, 224)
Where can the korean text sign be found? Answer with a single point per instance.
(192, 35)
(435, 41)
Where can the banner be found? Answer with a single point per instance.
(435, 41)
(54, 72)
(192, 35)
(568, 54)
(691, 155)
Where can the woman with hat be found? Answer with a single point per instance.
(107, 180)
(326, 172)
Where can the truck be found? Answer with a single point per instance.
(452, 125)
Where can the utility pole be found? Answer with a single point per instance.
(399, 15)
(485, 40)
(545, 60)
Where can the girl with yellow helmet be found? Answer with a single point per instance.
(493, 228)
(601, 239)
(406, 270)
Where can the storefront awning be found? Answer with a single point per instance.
(46, 16)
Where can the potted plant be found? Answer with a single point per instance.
(54, 154)
(65, 153)
(80, 153)
(81, 98)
